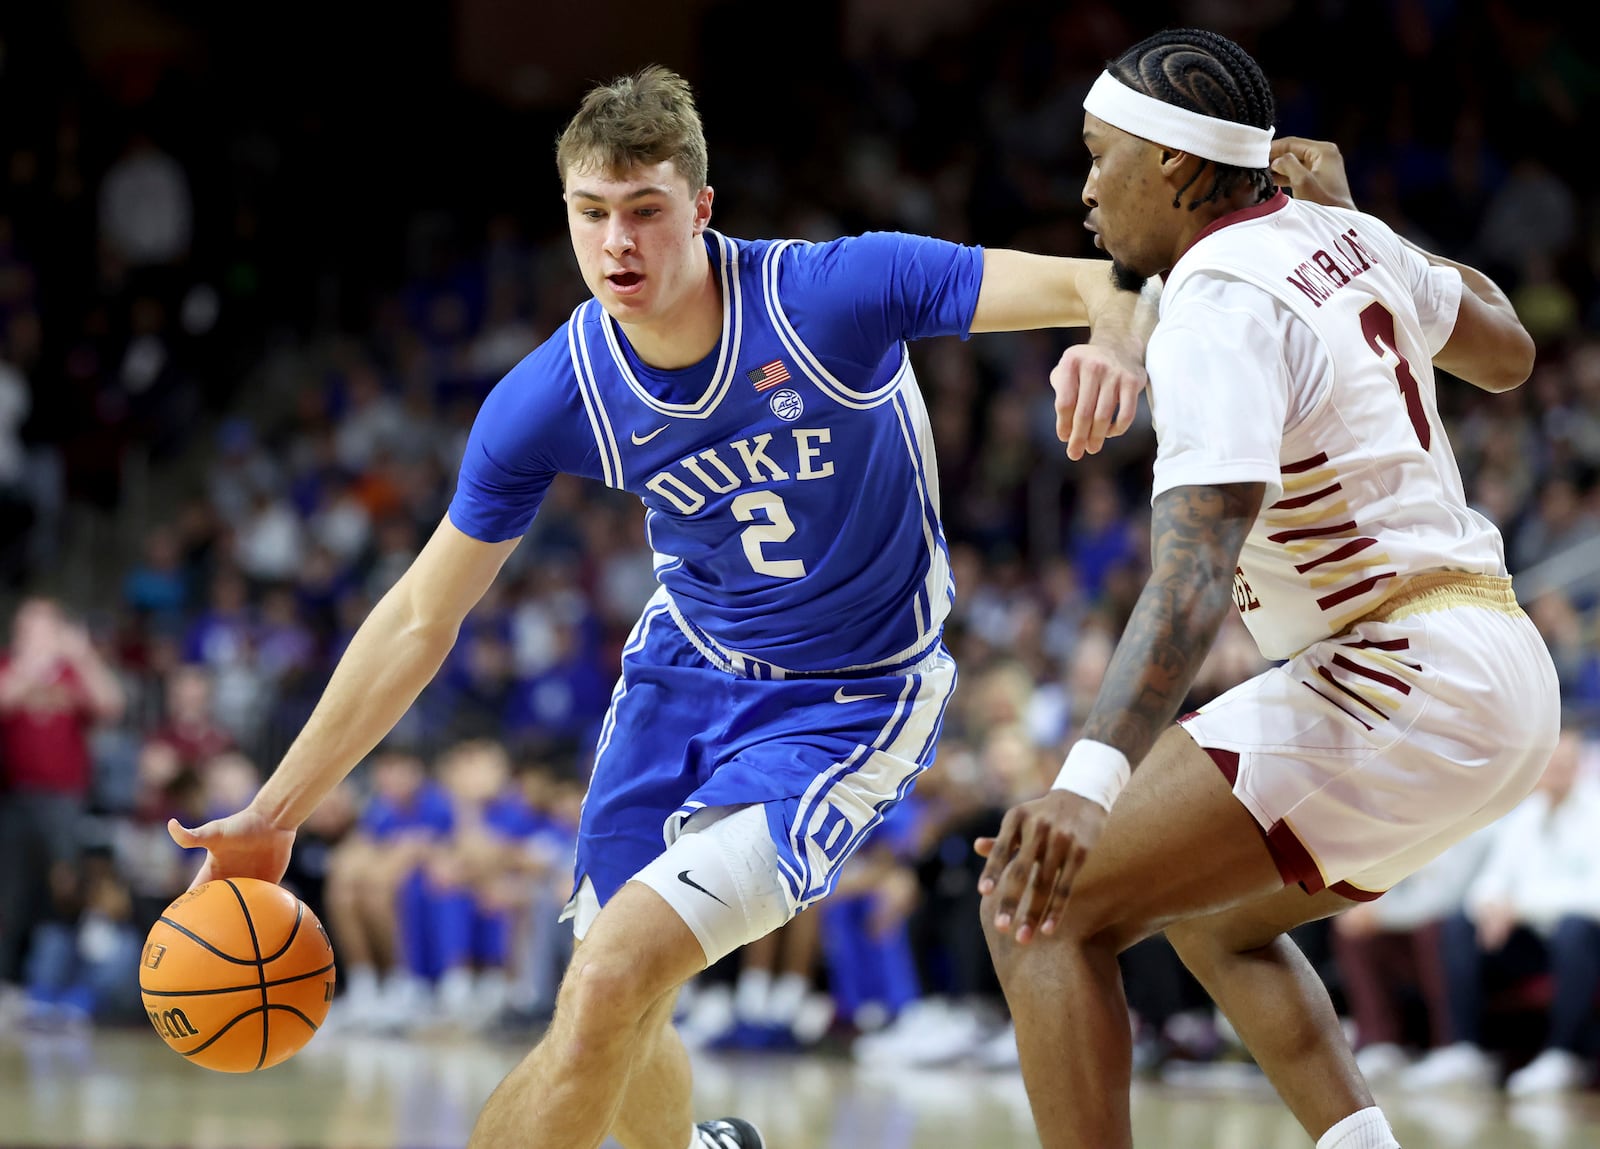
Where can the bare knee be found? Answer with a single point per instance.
(1088, 923)
(603, 1003)
(1203, 944)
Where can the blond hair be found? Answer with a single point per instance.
(636, 120)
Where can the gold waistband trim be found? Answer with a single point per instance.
(1442, 590)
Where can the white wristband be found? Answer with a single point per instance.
(1094, 771)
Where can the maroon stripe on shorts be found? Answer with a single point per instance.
(1227, 761)
(1294, 860)
(1376, 644)
(1328, 677)
(1354, 717)
(1389, 680)
(1356, 893)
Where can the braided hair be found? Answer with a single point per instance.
(1210, 74)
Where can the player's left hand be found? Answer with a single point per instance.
(1097, 397)
(1042, 843)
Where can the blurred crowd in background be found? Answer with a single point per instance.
(243, 334)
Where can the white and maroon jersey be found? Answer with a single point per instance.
(1295, 349)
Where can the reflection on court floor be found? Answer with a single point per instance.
(126, 1090)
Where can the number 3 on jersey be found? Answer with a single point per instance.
(1377, 324)
(777, 528)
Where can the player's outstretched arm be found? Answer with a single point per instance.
(394, 654)
(1197, 534)
(1023, 291)
(1097, 384)
(1489, 347)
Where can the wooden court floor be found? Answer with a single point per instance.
(125, 1090)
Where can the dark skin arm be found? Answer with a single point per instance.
(1197, 534)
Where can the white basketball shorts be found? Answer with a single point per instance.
(1367, 754)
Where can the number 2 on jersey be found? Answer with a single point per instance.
(1377, 324)
(778, 528)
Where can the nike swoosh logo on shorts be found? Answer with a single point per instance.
(840, 696)
(683, 876)
(640, 440)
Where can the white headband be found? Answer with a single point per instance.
(1222, 141)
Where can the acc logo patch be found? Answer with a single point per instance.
(787, 405)
(153, 953)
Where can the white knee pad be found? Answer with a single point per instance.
(721, 876)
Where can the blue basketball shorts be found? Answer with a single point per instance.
(827, 757)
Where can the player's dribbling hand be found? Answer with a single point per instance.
(242, 845)
(1097, 397)
(1313, 170)
(1043, 843)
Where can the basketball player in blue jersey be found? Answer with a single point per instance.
(786, 685)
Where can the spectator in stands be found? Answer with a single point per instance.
(189, 726)
(1389, 950)
(84, 964)
(146, 210)
(531, 882)
(1534, 909)
(55, 688)
(157, 587)
(468, 923)
(370, 873)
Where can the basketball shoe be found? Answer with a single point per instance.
(729, 1133)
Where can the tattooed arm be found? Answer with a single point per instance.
(1196, 536)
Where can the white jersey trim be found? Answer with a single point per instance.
(589, 390)
(727, 346)
(808, 363)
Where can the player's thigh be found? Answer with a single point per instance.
(1177, 845)
(720, 878)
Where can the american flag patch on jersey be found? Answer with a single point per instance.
(769, 375)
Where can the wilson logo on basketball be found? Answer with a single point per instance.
(153, 953)
(172, 1023)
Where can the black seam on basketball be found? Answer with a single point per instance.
(233, 1021)
(200, 941)
(296, 1012)
(261, 970)
(277, 981)
(299, 912)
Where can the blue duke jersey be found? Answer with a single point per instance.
(789, 480)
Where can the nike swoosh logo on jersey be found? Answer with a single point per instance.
(683, 876)
(840, 696)
(640, 440)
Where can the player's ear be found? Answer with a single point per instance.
(1173, 162)
(702, 208)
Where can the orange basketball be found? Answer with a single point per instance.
(237, 975)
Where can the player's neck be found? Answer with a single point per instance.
(1207, 214)
(685, 334)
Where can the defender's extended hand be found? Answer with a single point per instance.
(1097, 397)
(1046, 841)
(242, 845)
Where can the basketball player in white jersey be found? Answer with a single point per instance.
(1302, 477)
